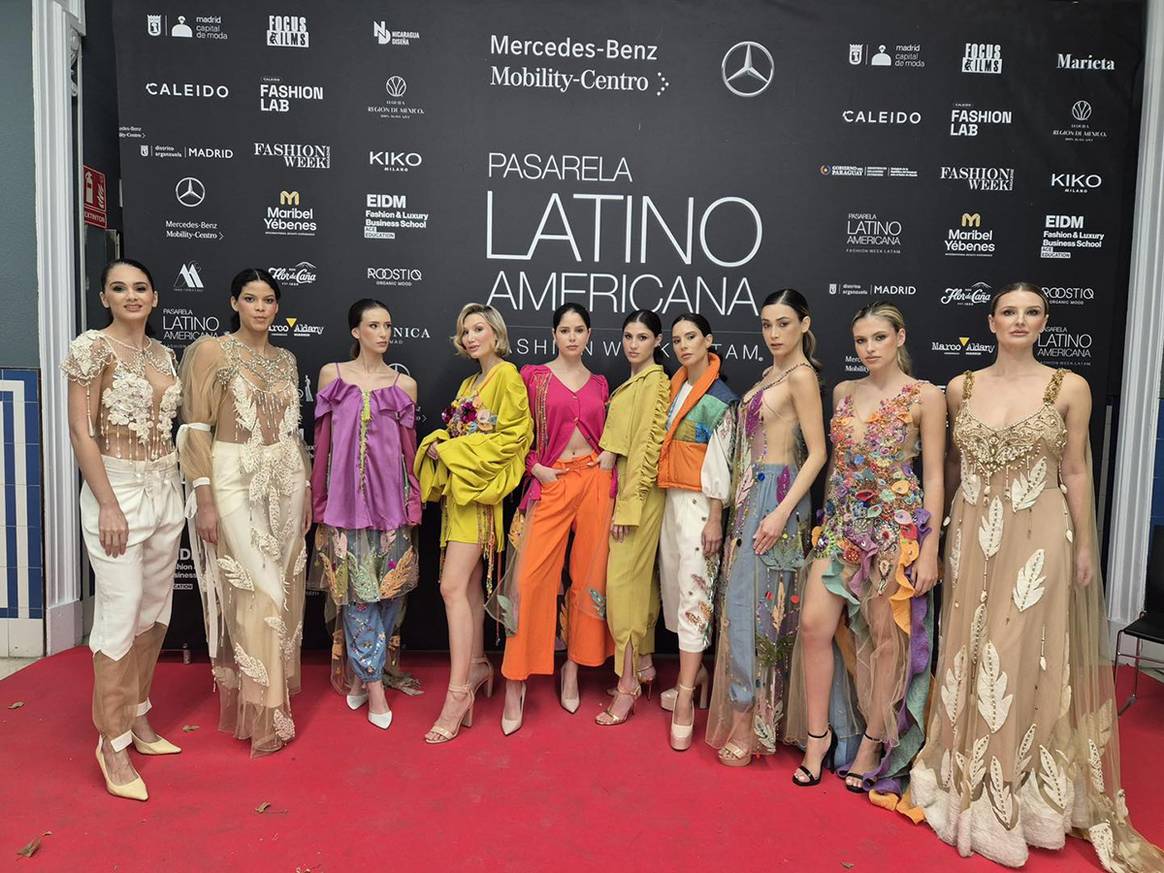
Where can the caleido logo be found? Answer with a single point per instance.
(289, 218)
(204, 90)
(881, 116)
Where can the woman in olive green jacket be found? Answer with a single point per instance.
(635, 425)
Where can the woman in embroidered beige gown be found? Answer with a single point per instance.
(1022, 746)
(246, 466)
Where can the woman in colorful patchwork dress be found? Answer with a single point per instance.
(567, 492)
(246, 466)
(780, 450)
(470, 465)
(366, 504)
(1023, 746)
(695, 474)
(123, 396)
(635, 424)
(876, 560)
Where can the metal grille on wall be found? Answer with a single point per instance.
(667, 155)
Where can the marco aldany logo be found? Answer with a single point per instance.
(969, 239)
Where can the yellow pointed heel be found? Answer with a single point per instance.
(160, 746)
(135, 790)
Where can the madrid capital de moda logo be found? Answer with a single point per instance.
(747, 69)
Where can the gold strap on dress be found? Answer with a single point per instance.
(1052, 390)
(967, 384)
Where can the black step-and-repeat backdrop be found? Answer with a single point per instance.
(661, 154)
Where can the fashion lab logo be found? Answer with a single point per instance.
(980, 178)
(386, 36)
(181, 326)
(967, 295)
(294, 326)
(908, 55)
(867, 171)
(289, 218)
(397, 106)
(968, 239)
(1064, 235)
(205, 27)
(395, 277)
(190, 152)
(1079, 128)
(277, 96)
(881, 116)
(1076, 183)
(296, 156)
(868, 234)
(288, 31)
(1058, 343)
(1069, 295)
(386, 215)
(189, 278)
(962, 346)
(982, 57)
(303, 273)
(1087, 63)
(395, 162)
(188, 90)
(966, 120)
(747, 69)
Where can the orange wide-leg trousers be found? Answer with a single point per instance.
(579, 501)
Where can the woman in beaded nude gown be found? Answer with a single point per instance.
(875, 559)
(780, 450)
(246, 468)
(1022, 746)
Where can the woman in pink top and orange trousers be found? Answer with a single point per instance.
(568, 491)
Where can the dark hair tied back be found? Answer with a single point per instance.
(650, 320)
(244, 277)
(137, 265)
(356, 316)
(793, 299)
(577, 308)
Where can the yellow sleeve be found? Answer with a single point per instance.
(201, 398)
(651, 398)
(485, 466)
(433, 476)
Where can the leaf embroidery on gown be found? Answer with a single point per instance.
(236, 573)
(1028, 588)
(251, 667)
(990, 530)
(993, 701)
(952, 687)
(1025, 490)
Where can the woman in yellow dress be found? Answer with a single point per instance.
(636, 422)
(470, 465)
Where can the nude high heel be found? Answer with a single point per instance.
(683, 734)
(135, 790)
(444, 734)
(611, 718)
(511, 726)
(570, 704)
(702, 682)
(487, 679)
(160, 746)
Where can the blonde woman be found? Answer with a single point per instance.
(470, 465)
(875, 560)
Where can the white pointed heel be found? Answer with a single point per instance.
(382, 720)
(355, 701)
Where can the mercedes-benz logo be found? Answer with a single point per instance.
(1081, 110)
(190, 191)
(396, 86)
(753, 72)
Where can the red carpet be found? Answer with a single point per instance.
(561, 794)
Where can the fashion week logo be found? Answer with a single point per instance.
(982, 57)
(296, 156)
(980, 178)
(288, 31)
(747, 69)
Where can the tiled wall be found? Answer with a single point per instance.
(21, 520)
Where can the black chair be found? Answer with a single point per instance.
(1150, 625)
